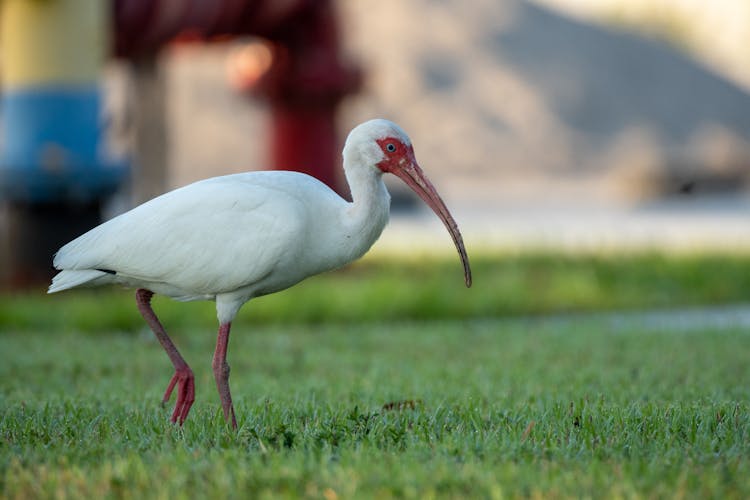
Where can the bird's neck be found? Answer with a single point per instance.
(367, 214)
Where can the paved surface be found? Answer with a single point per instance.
(718, 318)
(719, 223)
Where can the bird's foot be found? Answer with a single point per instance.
(221, 373)
(229, 414)
(185, 382)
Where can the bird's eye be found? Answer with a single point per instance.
(390, 147)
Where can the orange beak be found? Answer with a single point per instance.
(409, 171)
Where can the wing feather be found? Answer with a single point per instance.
(209, 237)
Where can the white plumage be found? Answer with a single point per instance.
(236, 237)
(227, 238)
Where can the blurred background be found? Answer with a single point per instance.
(575, 124)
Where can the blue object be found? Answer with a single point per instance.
(53, 148)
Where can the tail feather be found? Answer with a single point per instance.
(70, 278)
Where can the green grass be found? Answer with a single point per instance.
(382, 290)
(495, 402)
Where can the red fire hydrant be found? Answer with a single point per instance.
(304, 84)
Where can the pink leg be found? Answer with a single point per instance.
(183, 376)
(221, 372)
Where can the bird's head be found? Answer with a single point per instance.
(383, 145)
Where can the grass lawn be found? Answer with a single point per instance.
(390, 379)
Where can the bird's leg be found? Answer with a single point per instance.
(183, 376)
(221, 372)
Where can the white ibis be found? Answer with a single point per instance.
(236, 237)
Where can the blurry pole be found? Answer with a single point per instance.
(151, 140)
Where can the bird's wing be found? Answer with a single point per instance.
(209, 237)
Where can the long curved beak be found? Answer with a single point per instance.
(410, 172)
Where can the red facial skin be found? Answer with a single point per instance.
(400, 161)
